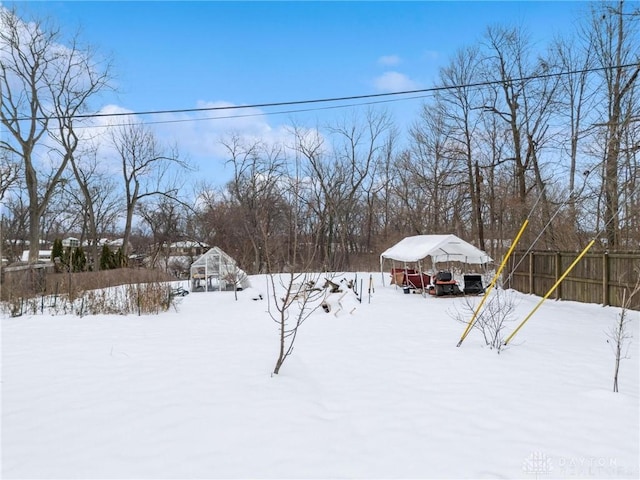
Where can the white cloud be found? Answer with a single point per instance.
(199, 133)
(389, 60)
(394, 82)
(431, 55)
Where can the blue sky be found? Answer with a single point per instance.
(180, 55)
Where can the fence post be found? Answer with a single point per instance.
(558, 272)
(531, 272)
(511, 277)
(605, 279)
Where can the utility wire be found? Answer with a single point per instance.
(341, 99)
(246, 115)
(573, 196)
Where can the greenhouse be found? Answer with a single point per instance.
(216, 271)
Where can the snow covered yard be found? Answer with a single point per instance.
(382, 392)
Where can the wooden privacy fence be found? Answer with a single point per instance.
(597, 278)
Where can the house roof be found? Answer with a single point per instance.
(188, 244)
(42, 255)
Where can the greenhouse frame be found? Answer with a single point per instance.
(216, 271)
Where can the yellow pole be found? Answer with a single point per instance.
(493, 282)
(567, 271)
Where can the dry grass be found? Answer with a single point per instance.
(122, 291)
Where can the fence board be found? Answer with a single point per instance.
(598, 278)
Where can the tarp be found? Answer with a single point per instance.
(441, 248)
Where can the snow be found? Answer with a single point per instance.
(376, 392)
(441, 248)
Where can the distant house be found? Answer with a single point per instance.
(113, 244)
(71, 242)
(188, 248)
(116, 243)
(43, 256)
(176, 257)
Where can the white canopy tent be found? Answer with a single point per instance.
(437, 248)
(441, 248)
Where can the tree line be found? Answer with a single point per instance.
(513, 132)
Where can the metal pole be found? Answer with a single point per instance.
(575, 262)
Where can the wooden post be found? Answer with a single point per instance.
(531, 272)
(605, 278)
(558, 272)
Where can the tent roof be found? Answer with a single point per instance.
(441, 248)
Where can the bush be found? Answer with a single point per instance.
(493, 319)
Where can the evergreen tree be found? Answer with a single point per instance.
(79, 260)
(58, 252)
(57, 249)
(67, 258)
(120, 259)
(106, 258)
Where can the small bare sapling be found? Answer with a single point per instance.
(492, 320)
(619, 336)
(294, 297)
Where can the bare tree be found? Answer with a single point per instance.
(95, 199)
(619, 336)
(462, 112)
(15, 224)
(492, 145)
(492, 321)
(428, 176)
(615, 40)
(339, 176)
(41, 81)
(295, 295)
(61, 217)
(300, 298)
(9, 173)
(576, 96)
(630, 188)
(317, 192)
(148, 170)
(9, 177)
(525, 104)
(369, 213)
(360, 144)
(165, 219)
(256, 190)
(79, 82)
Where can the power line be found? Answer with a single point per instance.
(423, 92)
(246, 115)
